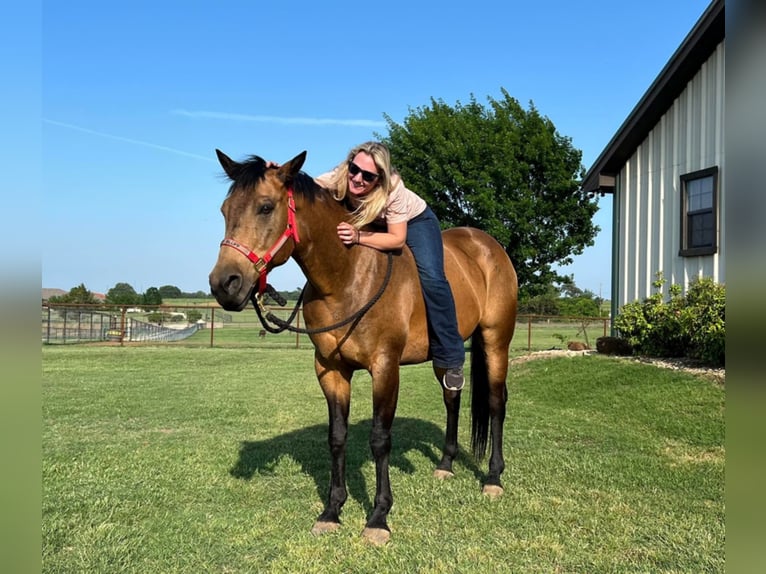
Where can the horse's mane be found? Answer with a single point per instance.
(253, 169)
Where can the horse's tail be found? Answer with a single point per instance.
(479, 396)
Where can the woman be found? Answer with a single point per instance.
(376, 194)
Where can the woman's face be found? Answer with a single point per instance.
(362, 174)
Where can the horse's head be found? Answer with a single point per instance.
(259, 213)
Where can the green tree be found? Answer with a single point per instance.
(122, 294)
(192, 315)
(545, 303)
(170, 292)
(581, 306)
(77, 295)
(505, 170)
(152, 296)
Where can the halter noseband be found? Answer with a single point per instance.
(260, 263)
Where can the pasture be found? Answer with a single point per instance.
(191, 459)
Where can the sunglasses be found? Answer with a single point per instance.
(367, 176)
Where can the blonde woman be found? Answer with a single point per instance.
(376, 194)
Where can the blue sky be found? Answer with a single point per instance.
(135, 97)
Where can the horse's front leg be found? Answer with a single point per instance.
(385, 393)
(335, 381)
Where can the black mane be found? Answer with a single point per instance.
(252, 171)
(249, 173)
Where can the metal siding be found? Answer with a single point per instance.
(689, 137)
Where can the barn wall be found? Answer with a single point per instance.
(689, 137)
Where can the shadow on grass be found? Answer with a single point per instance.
(308, 447)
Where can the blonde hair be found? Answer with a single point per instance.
(372, 203)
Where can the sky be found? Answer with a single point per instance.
(136, 96)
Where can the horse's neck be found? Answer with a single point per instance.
(326, 262)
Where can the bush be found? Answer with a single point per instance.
(692, 325)
(704, 319)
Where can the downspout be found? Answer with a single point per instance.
(615, 253)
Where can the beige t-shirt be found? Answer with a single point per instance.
(402, 204)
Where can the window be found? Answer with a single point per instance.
(699, 213)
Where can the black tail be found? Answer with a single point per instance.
(479, 396)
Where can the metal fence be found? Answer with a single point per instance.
(85, 324)
(209, 325)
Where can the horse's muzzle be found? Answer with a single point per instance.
(230, 289)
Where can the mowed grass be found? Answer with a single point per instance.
(176, 459)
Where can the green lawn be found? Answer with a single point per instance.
(190, 459)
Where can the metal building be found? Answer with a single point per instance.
(665, 168)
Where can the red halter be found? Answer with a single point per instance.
(261, 263)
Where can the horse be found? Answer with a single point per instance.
(281, 212)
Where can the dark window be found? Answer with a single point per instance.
(699, 212)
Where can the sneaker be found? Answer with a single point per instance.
(453, 379)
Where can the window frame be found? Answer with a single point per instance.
(686, 250)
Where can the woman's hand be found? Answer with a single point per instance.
(348, 234)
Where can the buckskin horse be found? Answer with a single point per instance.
(281, 212)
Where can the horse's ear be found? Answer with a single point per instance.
(288, 171)
(230, 166)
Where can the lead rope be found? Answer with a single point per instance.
(286, 325)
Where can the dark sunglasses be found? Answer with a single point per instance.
(367, 176)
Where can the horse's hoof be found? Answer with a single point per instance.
(376, 536)
(443, 474)
(492, 490)
(324, 527)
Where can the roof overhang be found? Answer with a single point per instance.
(696, 48)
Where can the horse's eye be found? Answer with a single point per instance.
(265, 209)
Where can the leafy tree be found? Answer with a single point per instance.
(581, 306)
(122, 294)
(76, 295)
(170, 292)
(193, 315)
(568, 287)
(152, 296)
(545, 303)
(505, 170)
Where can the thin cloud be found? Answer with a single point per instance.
(126, 140)
(356, 123)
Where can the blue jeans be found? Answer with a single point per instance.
(424, 239)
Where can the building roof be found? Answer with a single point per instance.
(699, 44)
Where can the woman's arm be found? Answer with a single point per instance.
(393, 238)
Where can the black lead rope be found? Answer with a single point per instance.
(271, 292)
(286, 325)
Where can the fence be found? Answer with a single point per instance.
(86, 324)
(209, 325)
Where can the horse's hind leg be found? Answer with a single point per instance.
(336, 385)
(450, 450)
(496, 359)
(489, 367)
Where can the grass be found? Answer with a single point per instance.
(182, 459)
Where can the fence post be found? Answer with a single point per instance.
(297, 334)
(122, 326)
(212, 324)
(529, 332)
